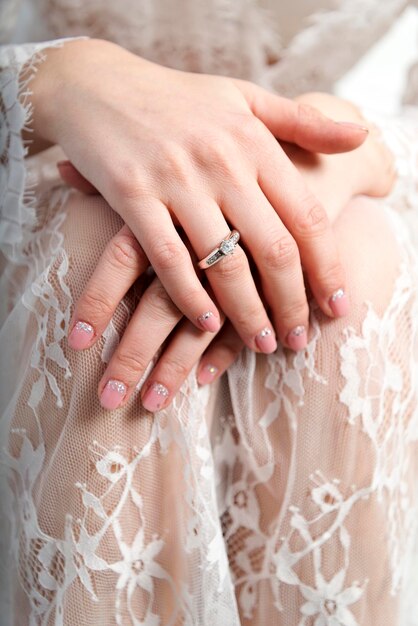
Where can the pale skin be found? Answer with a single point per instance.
(201, 152)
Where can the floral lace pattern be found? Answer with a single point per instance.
(284, 494)
(222, 541)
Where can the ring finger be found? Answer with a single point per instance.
(230, 278)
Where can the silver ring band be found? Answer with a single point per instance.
(227, 246)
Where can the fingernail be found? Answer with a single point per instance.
(266, 341)
(80, 336)
(339, 303)
(209, 322)
(354, 126)
(207, 374)
(297, 339)
(113, 394)
(155, 397)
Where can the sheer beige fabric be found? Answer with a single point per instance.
(285, 494)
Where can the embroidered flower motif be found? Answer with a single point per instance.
(112, 466)
(329, 601)
(242, 505)
(137, 567)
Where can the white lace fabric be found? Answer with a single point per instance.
(285, 494)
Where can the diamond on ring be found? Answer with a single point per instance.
(226, 247)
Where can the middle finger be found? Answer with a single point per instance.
(230, 278)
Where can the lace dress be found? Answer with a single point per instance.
(284, 494)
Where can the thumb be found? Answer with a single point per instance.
(301, 123)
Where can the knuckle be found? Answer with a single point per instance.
(247, 319)
(97, 304)
(191, 297)
(175, 369)
(174, 167)
(159, 302)
(250, 134)
(312, 218)
(332, 277)
(294, 313)
(129, 362)
(247, 128)
(124, 251)
(127, 181)
(306, 113)
(231, 268)
(281, 253)
(221, 154)
(221, 158)
(168, 255)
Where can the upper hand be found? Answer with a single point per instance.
(166, 146)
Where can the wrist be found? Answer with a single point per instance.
(53, 86)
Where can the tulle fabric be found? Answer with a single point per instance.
(284, 494)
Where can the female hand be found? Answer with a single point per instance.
(163, 145)
(327, 176)
(335, 180)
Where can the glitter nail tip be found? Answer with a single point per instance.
(207, 374)
(266, 341)
(297, 339)
(84, 327)
(115, 385)
(299, 330)
(339, 303)
(205, 316)
(337, 295)
(80, 336)
(208, 321)
(155, 397)
(113, 394)
(160, 390)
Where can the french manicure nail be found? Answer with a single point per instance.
(339, 303)
(266, 341)
(80, 336)
(113, 394)
(209, 322)
(297, 338)
(207, 374)
(155, 397)
(354, 126)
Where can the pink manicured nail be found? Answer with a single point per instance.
(112, 394)
(80, 336)
(339, 303)
(297, 339)
(207, 374)
(155, 397)
(266, 341)
(209, 322)
(354, 126)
